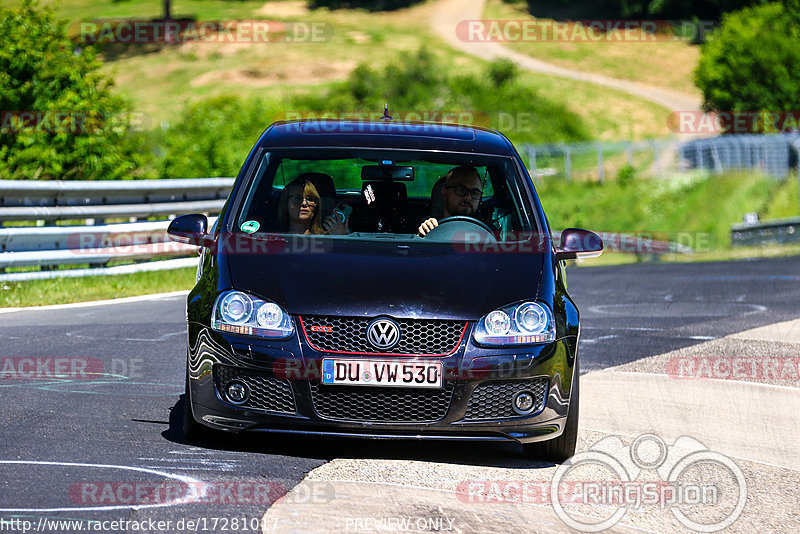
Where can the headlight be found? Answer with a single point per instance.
(240, 313)
(520, 324)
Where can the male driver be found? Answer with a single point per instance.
(461, 193)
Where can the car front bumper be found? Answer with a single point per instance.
(473, 405)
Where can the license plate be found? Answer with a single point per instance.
(390, 373)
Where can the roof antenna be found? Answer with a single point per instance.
(386, 116)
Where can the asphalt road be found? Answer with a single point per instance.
(109, 447)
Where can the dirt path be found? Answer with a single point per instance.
(448, 13)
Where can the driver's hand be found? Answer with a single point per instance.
(427, 226)
(333, 225)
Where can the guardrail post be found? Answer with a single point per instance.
(656, 158)
(532, 162)
(796, 146)
(567, 164)
(601, 172)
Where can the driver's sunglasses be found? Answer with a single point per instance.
(461, 191)
(297, 200)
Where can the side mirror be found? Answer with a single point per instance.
(578, 243)
(190, 229)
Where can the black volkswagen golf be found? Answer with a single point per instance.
(384, 280)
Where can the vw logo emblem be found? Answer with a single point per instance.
(383, 333)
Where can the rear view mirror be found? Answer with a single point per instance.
(387, 172)
(579, 243)
(190, 229)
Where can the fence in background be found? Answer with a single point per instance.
(775, 155)
(598, 161)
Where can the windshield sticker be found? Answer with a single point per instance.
(250, 226)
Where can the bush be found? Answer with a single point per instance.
(213, 137)
(626, 175)
(502, 71)
(60, 118)
(751, 63)
(419, 82)
(369, 5)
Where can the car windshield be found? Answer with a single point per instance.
(382, 193)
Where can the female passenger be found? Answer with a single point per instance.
(299, 211)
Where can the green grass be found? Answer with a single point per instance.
(784, 202)
(66, 290)
(695, 209)
(83, 10)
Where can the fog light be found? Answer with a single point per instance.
(237, 392)
(524, 402)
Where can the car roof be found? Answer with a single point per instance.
(386, 134)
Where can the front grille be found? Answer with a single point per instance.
(362, 403)
(267, 393)
(492, 400)
(426, 337)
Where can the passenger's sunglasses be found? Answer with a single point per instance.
(474, 194)
(297, 200)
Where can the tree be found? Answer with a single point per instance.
(751, 62)
(60, 119)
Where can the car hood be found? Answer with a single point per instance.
(387, 279)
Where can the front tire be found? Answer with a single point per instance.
(192, 430)
(562, 448)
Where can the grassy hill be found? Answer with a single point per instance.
(661, 62)
(162, 80)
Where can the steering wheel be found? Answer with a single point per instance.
(460, 227)
(467, 219)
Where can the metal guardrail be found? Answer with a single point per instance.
(777, 231)
(80, 193)
(98, 244)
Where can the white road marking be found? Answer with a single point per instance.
(122, 300)
(181, 478)
(679, 309)
(162, 337)
(595, 340)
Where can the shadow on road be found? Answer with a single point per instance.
(506, 455)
